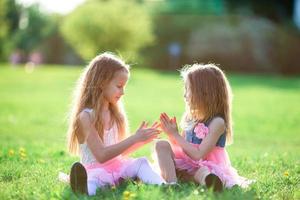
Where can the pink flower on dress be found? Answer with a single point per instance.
(201, 130)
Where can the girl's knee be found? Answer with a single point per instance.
(137, 164)
(162, 145)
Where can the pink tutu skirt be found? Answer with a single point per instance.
(108, 173)
(217, 162)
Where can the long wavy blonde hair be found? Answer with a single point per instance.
(89, 94)
(210, 96)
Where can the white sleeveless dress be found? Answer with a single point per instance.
(110, 137)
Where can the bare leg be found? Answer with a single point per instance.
(201, 174)
(165, 160)
(142, 169)
(204, 177)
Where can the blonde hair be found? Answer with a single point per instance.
(88, 94)
(210, 96)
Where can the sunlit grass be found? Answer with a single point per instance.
(33, 113)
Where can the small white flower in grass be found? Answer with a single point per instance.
(195, 192)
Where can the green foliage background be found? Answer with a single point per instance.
(118, 26)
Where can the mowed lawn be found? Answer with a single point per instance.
(33, 123)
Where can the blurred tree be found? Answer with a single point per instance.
(10, 13)
(174, 20)
(26, 29)
(215, 7)
(13, 15)
(246, 35)
(115, 25)
(3, 24)
(278, 10)
(55, 49)
(34, 27)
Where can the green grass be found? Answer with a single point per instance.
(34, 107)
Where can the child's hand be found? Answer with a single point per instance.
(156, 125)
(168, 125)
(144, 134)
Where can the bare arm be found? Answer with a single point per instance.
(216, 128)
(102, 153)
(140, 144)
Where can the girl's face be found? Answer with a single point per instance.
(187, 92)
(115, 89)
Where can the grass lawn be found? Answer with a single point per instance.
(33, 113)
